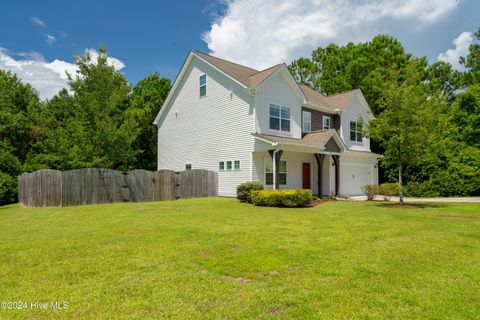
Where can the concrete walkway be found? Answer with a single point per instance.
(408, 199)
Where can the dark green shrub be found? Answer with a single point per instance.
(8, 189)
(282, 198)
(389, 190)
(370, 190)
(421, 189)
(245, 189)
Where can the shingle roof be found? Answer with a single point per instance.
(251, 78)
(341, 100)
(312, 139)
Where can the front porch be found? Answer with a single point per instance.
(298, 170)
(309, 163)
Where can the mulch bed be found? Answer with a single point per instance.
(317, 202)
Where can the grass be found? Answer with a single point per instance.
(217, 258)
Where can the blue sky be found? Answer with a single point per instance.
(39, 38)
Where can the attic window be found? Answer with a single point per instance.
(203, 85)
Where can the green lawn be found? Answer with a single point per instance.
(217, 258)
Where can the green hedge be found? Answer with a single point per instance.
(282, 198)
(245, 189)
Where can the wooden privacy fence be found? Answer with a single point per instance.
(48, 187)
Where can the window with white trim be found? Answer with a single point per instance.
(326, 122)
(279, 118)
(221, 166)
(307, 121)
(229, 165)
(188, 167)
(356, 131)
(203, 85)
(236, 165)
(269, 172)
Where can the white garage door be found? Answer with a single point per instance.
(353, 177)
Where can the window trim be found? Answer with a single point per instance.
(358, 132)
(289, 132)
(329, 122)
(222, 162)
(239, 165)
(200, 85)
(231, 165)
(267, 160)
(303, 121)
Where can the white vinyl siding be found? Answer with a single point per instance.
(277, 91)
(202, 131)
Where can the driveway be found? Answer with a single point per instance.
(408, 199)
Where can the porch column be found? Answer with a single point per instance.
(320, 157)
(336, 160)
(276, 167)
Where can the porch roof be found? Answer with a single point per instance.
(315, 139)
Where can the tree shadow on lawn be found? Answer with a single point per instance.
(409, 205)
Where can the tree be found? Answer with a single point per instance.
(18, 104)
(399, 127)
(88, 128)
(334, 69)
(472, 62)
(146, 100)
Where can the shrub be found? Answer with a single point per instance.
(315, 198)
(282, 198)
(370, 190)
(388, 190)
(421, 189)
(245, 189)
(8, 189)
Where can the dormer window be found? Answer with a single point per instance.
(307, 121)
(203, 85)
(326, 122)
(279, 118)
(356, 131)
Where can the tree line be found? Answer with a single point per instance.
(101, 121)
(427, 122)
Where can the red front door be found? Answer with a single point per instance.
(306, 175)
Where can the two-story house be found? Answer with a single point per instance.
(251, 125)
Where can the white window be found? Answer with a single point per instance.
(188, 166)
(203, 85)
(307, 121)
(269, 172)
(221, 166)
(229, 165)
(279, 118)
(355, 131)
(326, 122)
(236, 165)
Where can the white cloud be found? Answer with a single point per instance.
(263, 33)
(47, 77)
(462, 44)
(38, 22)
(49, 38)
